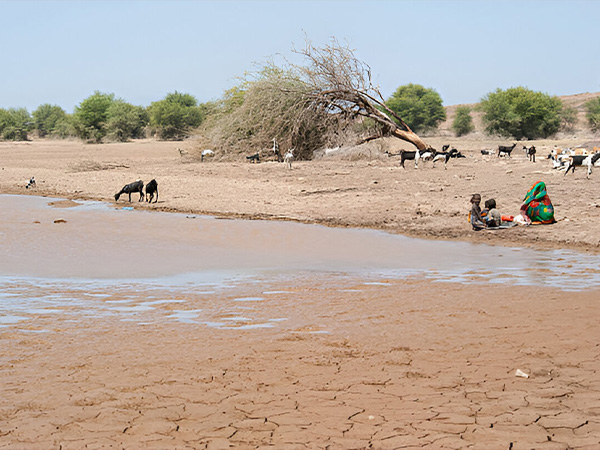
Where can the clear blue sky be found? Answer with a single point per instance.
(60, 52)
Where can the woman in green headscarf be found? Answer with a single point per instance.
(537, 206)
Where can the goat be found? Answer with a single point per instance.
(151, 189)
(31, 183)
(428, 155)
(582, 160)
(289, 157)
(406, 155)
(276, 151)
(506, 150)
(206, 153)
(453, 153)
(253, 158)
(487, 152)
(558, 162)
(136, 186)
(530, 152)
(181, 152)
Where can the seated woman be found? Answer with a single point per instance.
(537, 207)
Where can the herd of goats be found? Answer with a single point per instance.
(562, 159)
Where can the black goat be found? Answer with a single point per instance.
(253, 158)
(582, 160)
(410, 156)
(276, 151)
(487, 152)
(530, 152)
(506, 150)
(445, 156)
(136, 186)
(151, 189)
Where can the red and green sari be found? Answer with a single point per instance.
(537, 204)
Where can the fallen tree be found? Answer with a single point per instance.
(328, 102)
(340, 84)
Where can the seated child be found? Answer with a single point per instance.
(475, 218)
(490, 214)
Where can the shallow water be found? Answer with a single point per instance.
(98, 260)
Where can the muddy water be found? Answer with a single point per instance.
(91, 259)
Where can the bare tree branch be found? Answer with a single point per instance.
(341, 84)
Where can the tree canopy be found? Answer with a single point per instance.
(91, 115)
(175, 115)
(14, 124)
(101, 116)
(125, 121)
(592, 108)
(420, 107)
(521, 113)
(463, 122)
(46, 119)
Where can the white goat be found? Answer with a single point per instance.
(289, 157)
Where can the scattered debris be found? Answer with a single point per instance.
(520, 373)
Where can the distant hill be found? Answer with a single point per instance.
(576, 101)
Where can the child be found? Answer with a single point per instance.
(475, 214)
(492, 216)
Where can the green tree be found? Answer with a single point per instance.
(521, 113)
(15, 123)
(91, 116)
(65, 128)
(568, 118)
(175, 115)
(421, 108)
(592, 108)
(46, 117)
(463, 122)
(125, 121)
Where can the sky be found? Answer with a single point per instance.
(61, 52)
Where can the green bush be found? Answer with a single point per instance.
(15, 123)
(91, 116)
(421, 108)
(125, 121)
(593, 113)
(64, 128)
(46, 117)
(175, 116)
(521, 113)
(568, 118)
(463, 122)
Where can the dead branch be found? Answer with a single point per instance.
(341, 84)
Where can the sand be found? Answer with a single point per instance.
(393, 364)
